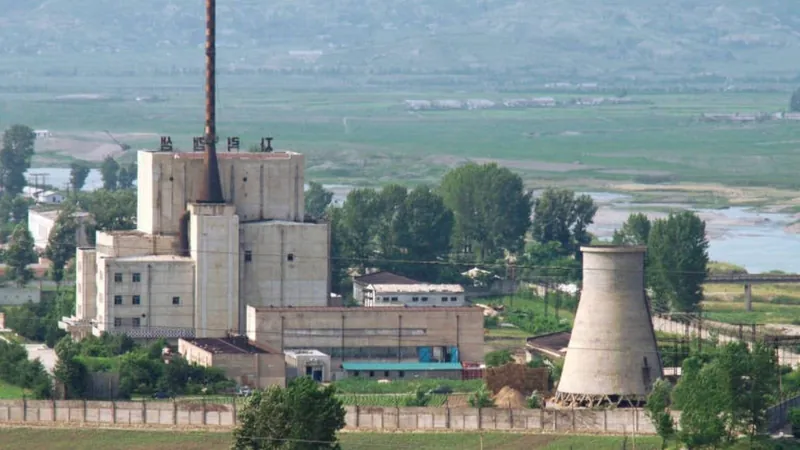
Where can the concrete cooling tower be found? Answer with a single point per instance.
(612, 358)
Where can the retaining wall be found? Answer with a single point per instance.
(169, 414)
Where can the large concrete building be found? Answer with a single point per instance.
(191, 268)
(376, 335)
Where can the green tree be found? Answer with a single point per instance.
(677, 261)
(498, 358)
(304, 416)
(15, 158)
(127, 176)
(657, 409)
(69, 370)
(420, 230)
(490, 206)
(317, 200)
(358, 222)
(109, 170)
(635, 231)
(794, 103)
(19, 255)
(701, 397)
(560, 216)
(78, 173)
(61, 245)
(112, 210)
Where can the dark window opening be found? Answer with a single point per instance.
(137, 277)
(176, 300)
(137, 300)
(290, 257)
(355, 374)
(386, 374)
(136, 322)
(117, 278)
(117, 299)
(248, 256)
(371, 373)
(117, 322)
(401, 373)
(414, 299)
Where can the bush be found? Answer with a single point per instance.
(534, 401)
(498, 358)
(794, 420)
(481, 399)
(491, 322)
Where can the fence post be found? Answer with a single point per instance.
(54, 410)
(24, 409)
(447, 417)
(480, 419)
(84, 411)
(573, 418)
(174, 412)
(113, 411)
(144, 411)
(204, 411)
(541, 418)
(358, 417)
(233, 402)
(605, 420)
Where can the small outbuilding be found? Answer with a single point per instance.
(311, 363)
(248, 363)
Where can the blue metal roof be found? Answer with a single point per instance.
(409, 366)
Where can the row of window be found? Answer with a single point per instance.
(248, 256)
(400, 373)
(136, 277)
(137, 300)
(135, 322)
(417, 299)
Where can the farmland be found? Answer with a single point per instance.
(61, 439)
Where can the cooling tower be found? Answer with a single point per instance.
(612, 356)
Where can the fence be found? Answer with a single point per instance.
(778, 415)
(220, 415)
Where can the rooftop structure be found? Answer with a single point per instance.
(612, 356)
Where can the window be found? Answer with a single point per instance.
(401, 373)
(371, 373)
(117, 322)
(117, 299)
(453, 299)
(424, 299)
(136, 322)
(137, 300)
(385, 299)
(290, 257)
(385, 374)
(117, 278)
(176, 301)
(444, 299)
(355, 374)
(136, 278)
(248, 255)
(394, 299)
(414, 299)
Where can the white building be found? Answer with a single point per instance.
(394, 295)
(41, 224)
(43, 196)
(255, 249)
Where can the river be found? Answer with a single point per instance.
(755, 240)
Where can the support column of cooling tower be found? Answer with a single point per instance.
(612, 356)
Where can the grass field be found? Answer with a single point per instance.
(10, 392)
(36, 439)
(350, 133)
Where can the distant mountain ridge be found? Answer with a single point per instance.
(579, 37)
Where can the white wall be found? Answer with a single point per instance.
(426, 299)
(40, 225)
(86, 285)
(161, 278)
(10, 296)
(262, 186)
(270, 278)
(214, 242)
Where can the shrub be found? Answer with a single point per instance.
(794, 420)
(534, 401)
(498, 358)
(481, 399)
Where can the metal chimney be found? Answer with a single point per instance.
(612, 358)
(210, 189)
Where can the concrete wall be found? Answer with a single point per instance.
(86, 283)
(10, 296)
(284, 264)
(315, 328)
(161, 279)
(166, 414)
(40, 225)
(119, 244)
(261, 186)
(257, 370)
(117, 413)
(214, 242)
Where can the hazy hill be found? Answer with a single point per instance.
(550, 37)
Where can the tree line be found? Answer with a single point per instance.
(484, 215)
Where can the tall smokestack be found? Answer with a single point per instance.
(210, 190)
